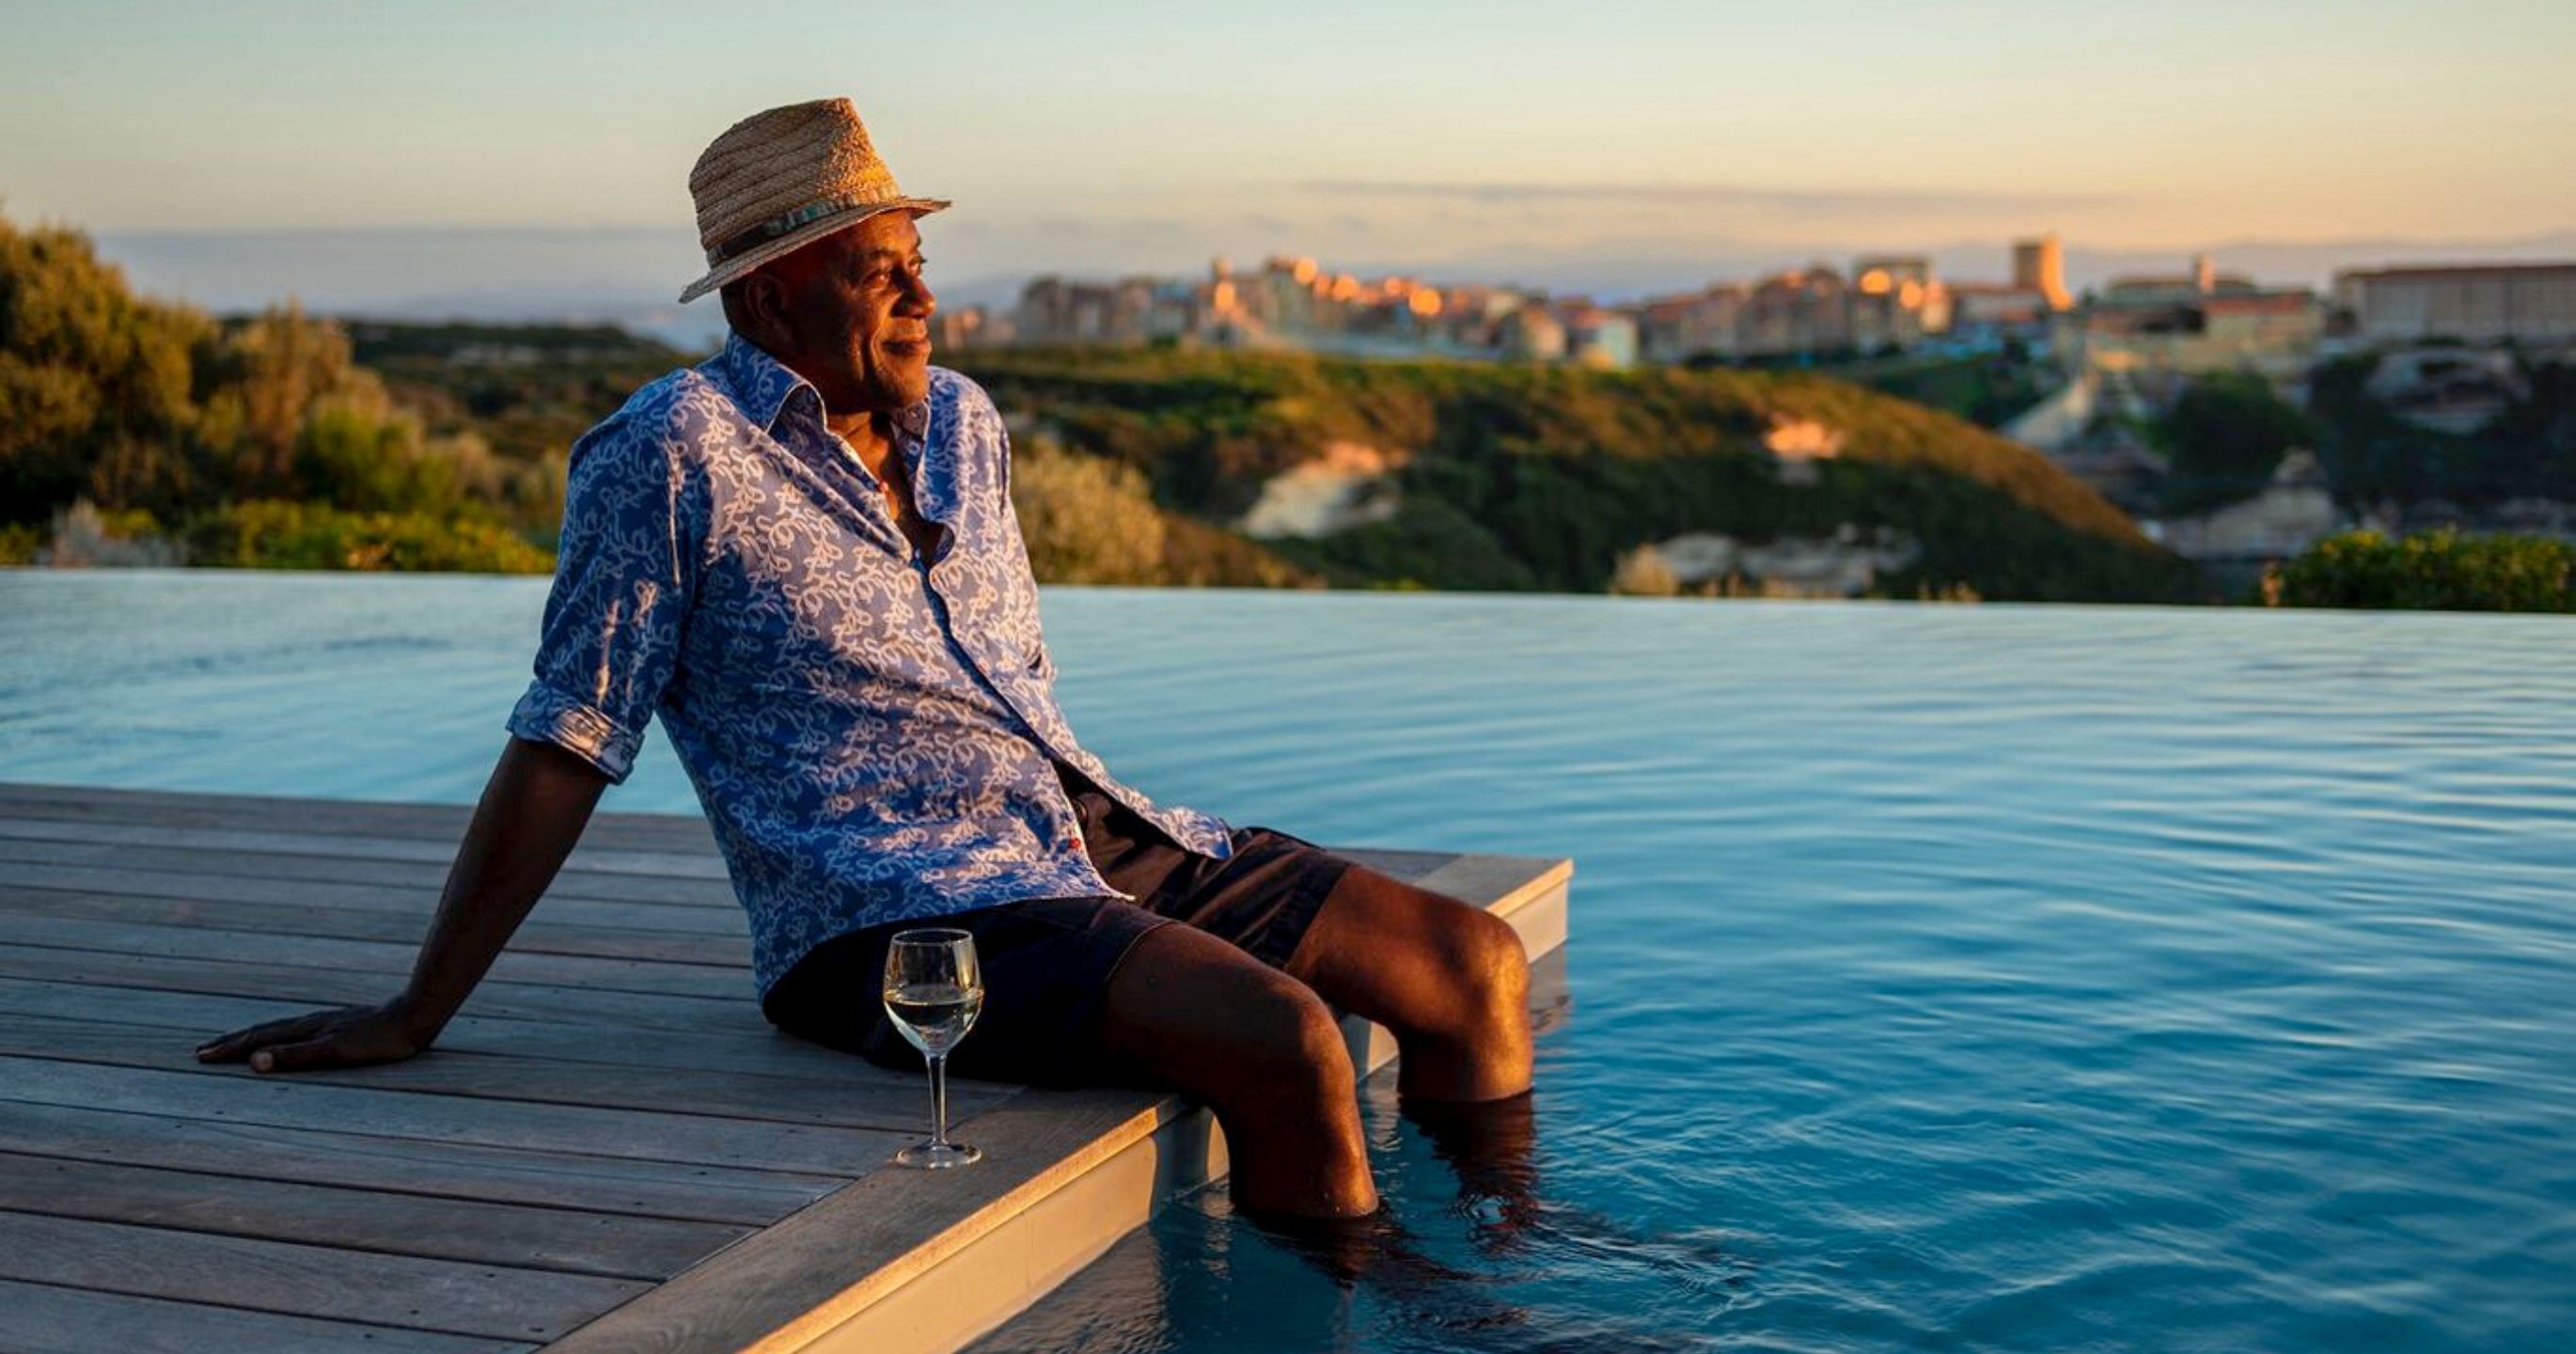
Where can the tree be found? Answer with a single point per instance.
(95, 392)
(2225, 436)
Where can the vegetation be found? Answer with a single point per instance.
(281, 439)
(1543, 477)
(2223, 437)
(256, 440)
(1986, 389)
(2433, 571)
(2372, 455)
(268, 534)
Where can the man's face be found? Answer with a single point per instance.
(857, 315)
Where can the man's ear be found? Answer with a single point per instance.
(764, 300)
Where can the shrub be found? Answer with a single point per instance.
(1086, 520)
(1642, 573)
(2225, 436)
(270, 534)
(2435, 571)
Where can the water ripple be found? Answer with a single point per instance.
(1945, 978)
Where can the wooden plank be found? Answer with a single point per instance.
(245, 1097)
(1409, 866)
(601, 854)
(688, 833)
(864, 1096)
(196, 1016)
(362, 956)
(299, 1280)
(823, 1267)
(328, 987)
(44, 1319)
(192, 808)
(598, 859)
(369, 876)
(682, 1191)
(573, 1241)
(410, 879)
(370, 923)
(939, 1262)
(1497, 883)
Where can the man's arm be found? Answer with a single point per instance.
(533, 810)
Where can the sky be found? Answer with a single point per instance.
(520, 150)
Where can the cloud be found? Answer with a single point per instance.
(1815, 200)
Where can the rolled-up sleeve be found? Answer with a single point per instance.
(625, 572)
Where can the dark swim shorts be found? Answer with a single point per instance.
(1047, 962)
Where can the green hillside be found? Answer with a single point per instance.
(1535, 477)
(145, 431)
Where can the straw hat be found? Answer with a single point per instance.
(780, 180)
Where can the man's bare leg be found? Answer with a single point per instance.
(1264, 1052)
(1451, 980)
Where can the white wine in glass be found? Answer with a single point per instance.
(934, 989)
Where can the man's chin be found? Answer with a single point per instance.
(905, 381)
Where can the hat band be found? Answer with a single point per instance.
(771, 229)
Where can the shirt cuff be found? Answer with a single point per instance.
(547, 715)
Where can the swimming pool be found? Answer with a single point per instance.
(1943, 977)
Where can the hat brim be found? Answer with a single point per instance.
(803, 235)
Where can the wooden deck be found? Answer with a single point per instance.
(608, 1150)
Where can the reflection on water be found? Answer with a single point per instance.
(1994, 978)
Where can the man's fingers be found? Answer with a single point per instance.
(298, 1057)
(231, 1047)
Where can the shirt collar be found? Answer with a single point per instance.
(761, 384)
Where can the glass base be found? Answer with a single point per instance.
(938, 1156)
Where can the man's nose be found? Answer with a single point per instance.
(916, 298)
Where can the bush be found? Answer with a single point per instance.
(2225, 436)
(2433, 571)
(269, 534)
(1642, 573)
(1086, 520)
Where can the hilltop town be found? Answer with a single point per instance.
(2096, 381)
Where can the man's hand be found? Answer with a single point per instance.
(532, 812)
(350, 1036)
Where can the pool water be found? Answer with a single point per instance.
(1959, 978)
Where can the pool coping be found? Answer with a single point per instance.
(1077, 1171)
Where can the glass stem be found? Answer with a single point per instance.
(938, 1099)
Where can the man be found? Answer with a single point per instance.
(801, 556)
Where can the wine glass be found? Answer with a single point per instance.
(934, 989)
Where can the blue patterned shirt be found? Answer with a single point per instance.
(872, 734)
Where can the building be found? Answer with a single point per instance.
(1986, 315)
(1595, 337)
(2478, 303)
(2195, 322)
(968, 327)
(1053, 310)
(1706, 323)
(2039, 265)
(1530, 334)
(1895, 301)
(1797, 312)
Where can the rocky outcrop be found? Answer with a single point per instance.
(2293, 510)
(1348, 484)
(1845, 564)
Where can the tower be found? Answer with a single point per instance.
(2040, 265)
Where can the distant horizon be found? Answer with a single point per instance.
(1619, 147)
(629, 275)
